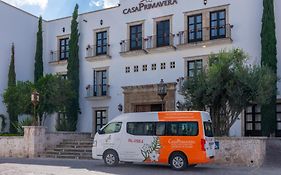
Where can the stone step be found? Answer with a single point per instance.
(65, 149)
(78, 141)
(88, 157)
(69, 143)
(68, 153)
(73, 146)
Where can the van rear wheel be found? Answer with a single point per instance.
(111, 158)
(178, 161)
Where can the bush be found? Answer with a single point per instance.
(19, 125)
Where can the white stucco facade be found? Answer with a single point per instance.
(20, 28)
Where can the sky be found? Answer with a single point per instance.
(52, 9)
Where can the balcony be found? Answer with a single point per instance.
(55, 60)
(133, 47)
(147, 45)
(97, 92)
(220, 35)
(94, 53)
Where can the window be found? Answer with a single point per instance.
(278, 119)
(64, 48)
(218, 24)
(101, 119)
(136, 37)
(141, 128)
(163, 128)
(100, 83)
(208, 129)
(127, 69)
(253, 121)
(195, 28)
(144, 67)
(194, 67)
(136, 68)
(160, 129)
(163, 33)
(101, 43)
(153, 67)
(172, 65)
(112, 128)
(182, 129)
(163, 65)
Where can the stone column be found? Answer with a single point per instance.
(34, 139)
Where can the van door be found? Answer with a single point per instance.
(138, 138)
(110, 137)
(209, 139)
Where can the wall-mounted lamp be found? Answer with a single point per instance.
(178, 104)
(120, 107)
(101, 22)
(63, 29)
(205, 2)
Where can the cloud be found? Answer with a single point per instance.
(19, 3)
(103, 3)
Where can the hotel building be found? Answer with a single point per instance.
(126, 50)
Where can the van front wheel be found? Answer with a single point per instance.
(111, 158)
(178, 161)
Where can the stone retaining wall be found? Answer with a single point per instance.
(243, 151)
(12, 147)
(34, 141)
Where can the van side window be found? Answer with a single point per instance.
(160, 129)
(112, 128)
(208, 129)
(182, 129)
(141, 128)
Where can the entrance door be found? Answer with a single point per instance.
(148, 108)
(253, 121)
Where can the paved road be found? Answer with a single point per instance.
(78, 167)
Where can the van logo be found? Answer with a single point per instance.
(149, 4)
(181, 143)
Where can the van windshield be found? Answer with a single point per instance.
(208, 129)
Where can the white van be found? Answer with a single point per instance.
(179, 139)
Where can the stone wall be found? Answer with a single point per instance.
(12, 147)
(243, 151)
(34, 142)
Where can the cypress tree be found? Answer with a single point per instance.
(38, 67)
(73, 72)
(268, 58)
(11, 84)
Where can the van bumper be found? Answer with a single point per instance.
(95, 155)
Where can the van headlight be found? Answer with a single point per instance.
(95, 143)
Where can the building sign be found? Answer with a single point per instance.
(149, 4)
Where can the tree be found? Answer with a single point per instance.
(54, 94)
(227, 87)
(268, 58)
(38, 67)
(20, 96)
(12, 83)
(73, 72)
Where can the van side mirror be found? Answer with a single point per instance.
(100, 131)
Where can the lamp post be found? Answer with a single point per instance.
(162, 91)
(35, 101)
